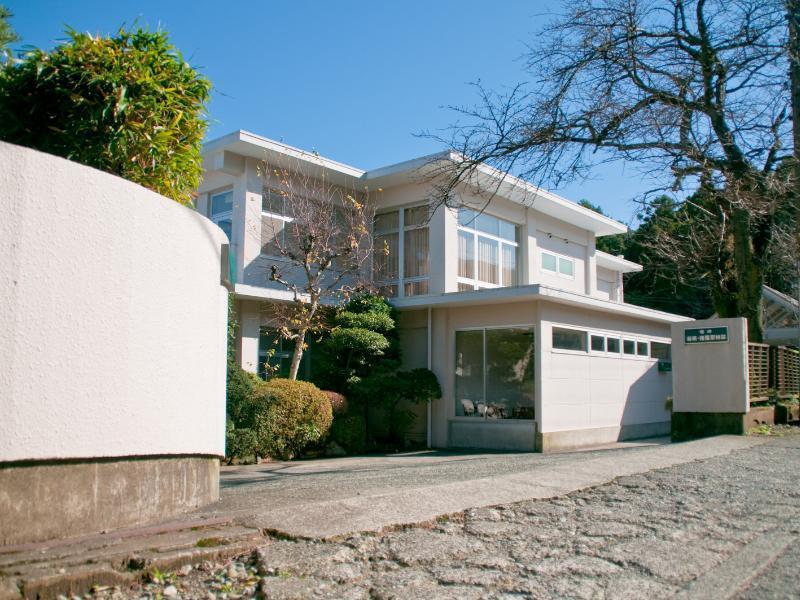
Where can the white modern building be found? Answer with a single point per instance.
(508, 301)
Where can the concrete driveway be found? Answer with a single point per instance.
(332, 497)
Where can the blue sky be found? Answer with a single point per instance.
(353, 80)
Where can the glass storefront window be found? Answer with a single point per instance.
(495, 373)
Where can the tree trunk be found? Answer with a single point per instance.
(749, 275)
(297, 355)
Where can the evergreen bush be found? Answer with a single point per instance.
(289, 416)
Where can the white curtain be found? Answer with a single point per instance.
(466, 255)
(509, 265)
(487, 260)
(416, 253)
(386, 266)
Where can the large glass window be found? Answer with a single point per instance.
(401, 263)
(221, 211)
(487, 251)
(495, 373)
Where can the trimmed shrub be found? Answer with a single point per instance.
(338, 402)
(290, 416)
(240, 443)
(240, 392)
(350, 432)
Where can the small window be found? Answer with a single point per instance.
(274, 202)
(661, 351)
(598, 343)
(569, 339)
(548, 262)
(629, 347)
(221, 203)
(566, 266)
(642, 349)
(612, 345)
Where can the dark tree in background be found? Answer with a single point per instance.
(699, 94)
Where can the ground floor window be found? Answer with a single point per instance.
(276, 352)
(494, 373)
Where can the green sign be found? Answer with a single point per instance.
(705, 335)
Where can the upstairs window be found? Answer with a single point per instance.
(557, 264)
(487, 251)
(401, 261)
(221, 211)
(275, 216)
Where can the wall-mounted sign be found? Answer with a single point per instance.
(705, 335)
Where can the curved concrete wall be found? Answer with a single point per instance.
(112, 317)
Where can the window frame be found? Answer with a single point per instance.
(475, 233)
(400, 282)
(224, 215)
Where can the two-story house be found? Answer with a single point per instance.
(509, 303)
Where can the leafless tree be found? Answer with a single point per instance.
(318, 243)
(698, 94)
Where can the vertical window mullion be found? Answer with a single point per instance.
(401, 248)
(484, 367)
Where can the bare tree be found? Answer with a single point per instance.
(695, 93)
(319, 243)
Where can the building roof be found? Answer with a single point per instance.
(616, 263)
(535, 292)
(507, 186)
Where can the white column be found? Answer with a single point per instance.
(591, 266)
(529, 271)
(444, 251)
(249, 318)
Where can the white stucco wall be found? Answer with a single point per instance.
(588, 390)
(112, 317)
(711, 377)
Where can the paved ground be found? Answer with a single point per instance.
(704, 520)
(727, 526)
(368, 494)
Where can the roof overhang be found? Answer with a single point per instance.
(484, 179)
(616, 263)
(535, 292)
(492, 182)
(218, 154)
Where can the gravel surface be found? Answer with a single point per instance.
(643, 536)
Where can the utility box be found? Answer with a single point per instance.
(710, 378)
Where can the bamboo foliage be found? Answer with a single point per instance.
(128, 104)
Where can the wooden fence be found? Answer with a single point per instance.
(773, 371)
(785, 371)
(758, 367)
